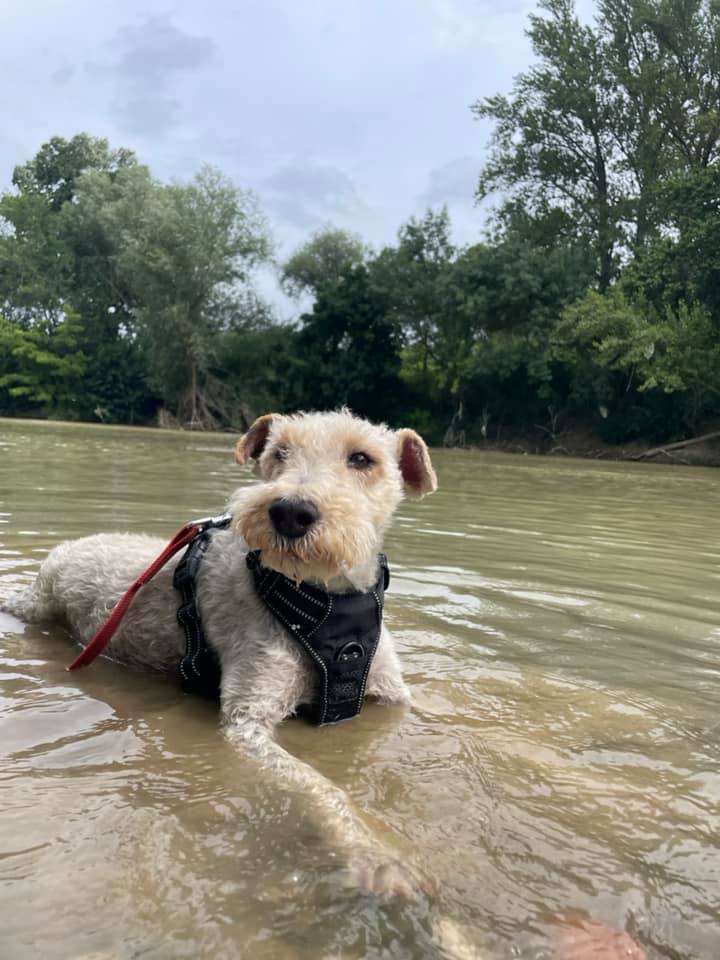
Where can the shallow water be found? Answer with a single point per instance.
(559, 623)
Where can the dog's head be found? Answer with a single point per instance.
(329, 484)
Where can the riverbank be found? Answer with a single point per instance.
(574, 440)
(578, 440)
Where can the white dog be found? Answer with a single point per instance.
(314, 523)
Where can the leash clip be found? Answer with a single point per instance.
(206, 523)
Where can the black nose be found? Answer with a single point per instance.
(293, 518)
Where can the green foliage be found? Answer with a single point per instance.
(35, 263)
(50, 256)
(505, 383)
(347, 351)
(606, 115)
(410, 278)
(258, 357)
(673, 351)
(554, 138)
(177, 258)
(55, 169)
(155, 273)
(322, 261)
(685, 264)
(423, 282)
(606, 330)
(41, 367)
(511, 294)
(115, 388)
(686, 359)
(189, 253)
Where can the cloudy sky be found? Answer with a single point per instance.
(352, 112)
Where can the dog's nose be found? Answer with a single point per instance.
(293, 518)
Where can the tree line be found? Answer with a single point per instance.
(593, 296)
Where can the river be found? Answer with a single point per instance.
(559, 624)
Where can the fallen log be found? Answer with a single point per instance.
(715, 435)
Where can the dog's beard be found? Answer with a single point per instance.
(329, 551)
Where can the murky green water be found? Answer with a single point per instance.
(560, 627)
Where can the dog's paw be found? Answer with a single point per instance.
(387, 875)
(453, 941)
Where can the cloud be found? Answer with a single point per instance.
(453, 182)
(307, 195)
(153, 57)
(62, 75)
(148, 115)
(456, 24)
(330, 112)
(156, 50)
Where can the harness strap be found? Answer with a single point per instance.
(199, 668)
(102, 638)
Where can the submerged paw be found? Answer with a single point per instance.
(386, 876)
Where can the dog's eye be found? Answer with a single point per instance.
(281, 453)
(360, 461)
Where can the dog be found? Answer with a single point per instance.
(328, 485)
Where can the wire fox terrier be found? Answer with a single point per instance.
(328, 486)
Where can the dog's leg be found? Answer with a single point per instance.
(374, 867)
(37, 603)
(250, 713)
(385, 682)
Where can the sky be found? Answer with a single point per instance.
(349, 112)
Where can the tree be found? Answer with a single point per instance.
(41, 366)
(675, 351)
(153, 272)
(409, 277)
(514, 289)
(684, 36)
(51, 255)
(663, 56)
(35, 261)
(347, 351)
(322, 261)
(608, 113)
(554, 139)
(463, 312)
(185, 252)
(258, 355)
(57, 166)
(684, 265)
(599, 335)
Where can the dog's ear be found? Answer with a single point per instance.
(415, 466)
(252, 444)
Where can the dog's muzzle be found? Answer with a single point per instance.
(292, 517)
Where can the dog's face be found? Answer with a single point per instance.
(329, 484)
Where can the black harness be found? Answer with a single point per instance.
(338, 631)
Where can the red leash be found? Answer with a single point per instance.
(104, 635)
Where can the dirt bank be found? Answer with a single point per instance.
(578, 440)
